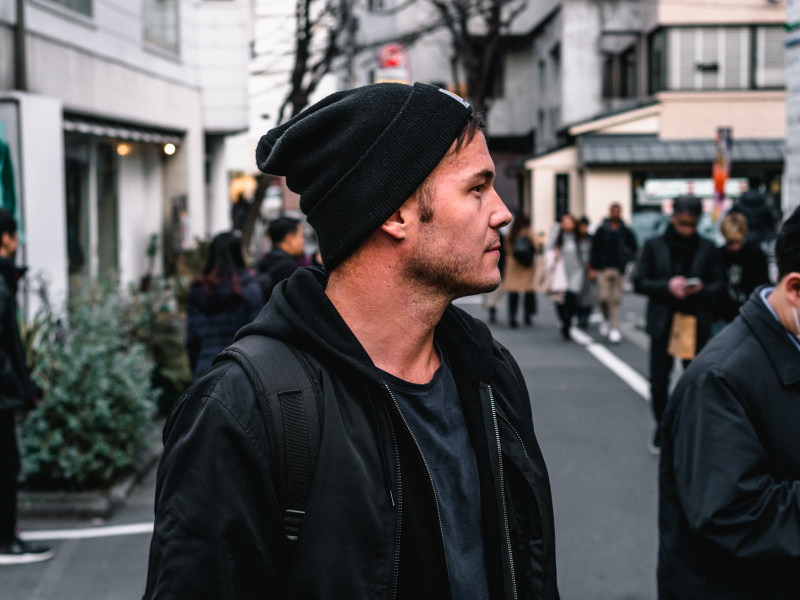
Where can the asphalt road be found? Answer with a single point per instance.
(592, 426)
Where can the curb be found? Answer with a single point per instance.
(91, 505)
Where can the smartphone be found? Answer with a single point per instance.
(692, 281)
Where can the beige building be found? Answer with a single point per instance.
(692, 68)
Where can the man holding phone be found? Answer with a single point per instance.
(680, 273)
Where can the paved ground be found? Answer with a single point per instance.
(592, 426)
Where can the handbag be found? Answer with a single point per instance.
(554, 278)
(523, 251)
(683, 336)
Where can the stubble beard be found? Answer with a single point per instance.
(451, 275)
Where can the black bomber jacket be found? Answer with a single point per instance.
(371, 528)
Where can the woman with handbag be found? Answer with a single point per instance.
(520, 263)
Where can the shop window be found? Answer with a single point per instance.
(92, 210)
(161, 24)
(83, 7)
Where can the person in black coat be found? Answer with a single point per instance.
(222, 299)
(666, 268)
(17, 395)
(760, 220)
(729, 478)
(744, 266)
(288, 242)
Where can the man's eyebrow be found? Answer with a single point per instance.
(485, 175)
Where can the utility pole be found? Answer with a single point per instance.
(20, 56)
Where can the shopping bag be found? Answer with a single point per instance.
(683, 336)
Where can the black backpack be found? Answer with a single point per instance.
(289, 397)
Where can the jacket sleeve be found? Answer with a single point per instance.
(597, 244)
(713, 276)
(10, 383)
(723, 480)
(646, 279)
(218, 531)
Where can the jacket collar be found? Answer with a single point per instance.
(772, 336)
(300, 313)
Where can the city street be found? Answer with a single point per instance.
(592, 422)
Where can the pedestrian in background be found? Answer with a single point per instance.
(752, 204)
(18, 395)
(613, 247)
(566, 251)
(744, 266)
(520, 260)
(679, 272)
(586, 298)
(288, 243)
(729, 480)
(222, 298)
(429, 481)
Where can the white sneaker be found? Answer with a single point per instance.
(614, 336)
(604, 328)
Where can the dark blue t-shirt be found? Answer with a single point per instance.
(433, 413)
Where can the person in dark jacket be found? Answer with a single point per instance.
(752, 204)
(288, 242)
(613, 247)
(222, 299)
(429, 481)
(744, 266)
(666, 263)
(729, 493)
(17, 396)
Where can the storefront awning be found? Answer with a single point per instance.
(120, 131)
(601, 150)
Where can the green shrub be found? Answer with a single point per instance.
(93, 420)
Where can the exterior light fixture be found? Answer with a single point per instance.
(123, 149)
(169, 149)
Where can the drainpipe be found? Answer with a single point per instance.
(20, 56)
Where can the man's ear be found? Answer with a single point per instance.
(396, 225)
(792, 286)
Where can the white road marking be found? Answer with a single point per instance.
(620, 368)
(89, 532)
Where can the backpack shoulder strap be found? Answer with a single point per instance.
(290, 398)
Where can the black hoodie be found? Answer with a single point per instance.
(371, 529)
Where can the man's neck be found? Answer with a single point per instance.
(393, 322)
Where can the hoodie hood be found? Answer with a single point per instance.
(752, 198)
(299, 313)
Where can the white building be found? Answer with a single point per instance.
(91, 93)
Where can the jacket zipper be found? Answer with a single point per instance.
(533, 490)
(503, 495)
(399, 506)
(430, 478)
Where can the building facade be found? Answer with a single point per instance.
(115, 115)
(643, 100)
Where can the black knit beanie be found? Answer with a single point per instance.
(356, 156)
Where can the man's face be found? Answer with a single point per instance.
(294, 243)
(9, 244)
(616, 212)
(457, 250)
(684, 223)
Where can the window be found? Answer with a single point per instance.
(161, 24)
(374, 5)
(627, 78)
(716, 58)
(82, 6)
(92, 209)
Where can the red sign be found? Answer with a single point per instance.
(391, 55)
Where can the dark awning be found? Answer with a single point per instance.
(120, 131)
(649, 150)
